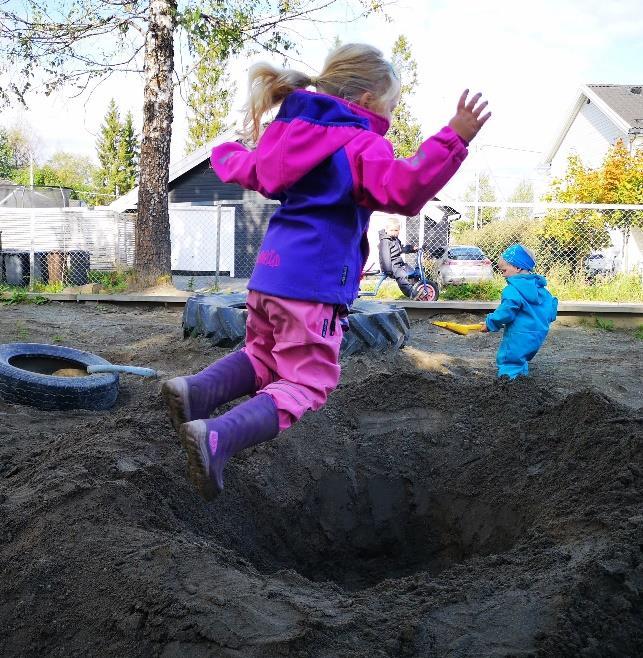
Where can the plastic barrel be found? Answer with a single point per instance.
(55, 266)
(77, 270)
(16, 268)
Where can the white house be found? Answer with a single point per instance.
(600, 116)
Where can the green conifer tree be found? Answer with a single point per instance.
(128, 155)
(405, 132)
(209, 100)
(107, 150)
(118, 151)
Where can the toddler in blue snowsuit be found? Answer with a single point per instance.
(526, 310)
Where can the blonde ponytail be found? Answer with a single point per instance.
(349, 72)
(268, 87)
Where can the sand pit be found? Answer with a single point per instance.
(428, 510)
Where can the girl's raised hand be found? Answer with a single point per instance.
(467, 120)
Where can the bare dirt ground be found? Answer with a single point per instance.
(427, 510)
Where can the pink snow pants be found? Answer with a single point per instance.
(292, 351)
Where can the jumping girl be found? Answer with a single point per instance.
(325, 158)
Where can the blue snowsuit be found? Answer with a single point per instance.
(526, 311)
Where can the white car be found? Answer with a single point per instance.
(464, 264)
(598, 263)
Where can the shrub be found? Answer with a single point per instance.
(483, 291)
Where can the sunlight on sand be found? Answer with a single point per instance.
(431, 361)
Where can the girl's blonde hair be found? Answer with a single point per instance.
(349, 71)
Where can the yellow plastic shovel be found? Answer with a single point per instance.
(462, 329)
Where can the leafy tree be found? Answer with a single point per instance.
(405, 132)
(117, 150)
(79, 42)
(18, 145)
(209, 100)
(6, 155)
(69, 170)
(524, 193)
(619, 180)
(485, 194)
(493, 238)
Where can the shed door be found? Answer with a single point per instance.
(193, 234)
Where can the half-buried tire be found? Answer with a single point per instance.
(222, 319)
(375, 326)
(27, 377)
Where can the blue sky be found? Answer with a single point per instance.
(527, 58)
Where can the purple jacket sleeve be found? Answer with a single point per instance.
(403, 186)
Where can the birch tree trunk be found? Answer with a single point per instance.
(152, 257)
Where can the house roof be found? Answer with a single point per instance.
(622, 104)
(625, 100)
(128, 201)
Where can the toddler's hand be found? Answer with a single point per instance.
(467, 120)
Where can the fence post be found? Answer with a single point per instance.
(32, 256)
(477, 174)
(421, 232)
(218, 252)
(32, 228)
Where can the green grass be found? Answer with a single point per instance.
(604, 325)
(111, 282)
(638, 332)
(388, 290)
(18, 296)
(51, 288)
(625, 288)
(575, 288)
(21, 296)
(568, 288)
(482, 291)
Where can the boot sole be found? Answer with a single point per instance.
(194, 440)
(174, 399)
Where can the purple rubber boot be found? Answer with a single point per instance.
(197, 396)
(211, 443)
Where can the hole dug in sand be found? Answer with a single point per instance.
(395, 495)
(361, 529)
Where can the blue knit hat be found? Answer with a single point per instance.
(519, 257)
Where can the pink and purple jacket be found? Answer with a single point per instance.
(327, 161)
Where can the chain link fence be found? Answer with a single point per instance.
(216, 247)
(577, 239)
(50, 249)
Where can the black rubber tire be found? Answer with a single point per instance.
(432, 288)
(375, 326)
(96, 392)
(221, 318)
